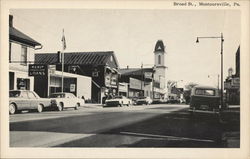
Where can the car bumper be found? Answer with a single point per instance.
(141, 102)
(112, 103)
(204, 111)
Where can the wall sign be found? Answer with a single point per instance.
(72, 87)
(135, 83)
(38, 70)
(148, 75)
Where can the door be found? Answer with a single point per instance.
(23, 101)
(33, 101)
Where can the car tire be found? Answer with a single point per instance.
(60, 107)
(39, 108)
(77, 106)
(12, 109)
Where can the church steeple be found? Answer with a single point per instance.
(159, 46)
(160, 68)
(159, 52)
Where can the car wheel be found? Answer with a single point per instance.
(77, 106)
(39, 108)
(12, 108)
(60, 107)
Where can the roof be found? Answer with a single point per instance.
(134, 71)
(77, 58)
(205, 87)
(18, 36)
(159, 46)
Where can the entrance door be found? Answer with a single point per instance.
(11, 80)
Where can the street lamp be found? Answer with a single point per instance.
(222, 40)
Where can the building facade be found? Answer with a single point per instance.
(101, 67)
(21, 54)
(159, 77)
(232, 82)
(139, 81)
(148, 82)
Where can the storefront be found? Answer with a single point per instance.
(99, 66)
(136, 88)
(123, 89)
(73, 83)
(232, 87)
(20, 80)
(21, 53)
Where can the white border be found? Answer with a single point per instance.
(186, 153)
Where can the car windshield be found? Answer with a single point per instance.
(206, 92)
(57, 96)
(14, 93)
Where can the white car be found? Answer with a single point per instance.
(118, 101)
(26, 100)
(65, 100)
(144, 100)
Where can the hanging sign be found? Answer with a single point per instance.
(38, 70)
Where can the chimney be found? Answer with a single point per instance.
(127, 67)
(10, 20)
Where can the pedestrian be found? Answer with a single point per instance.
(83, 98)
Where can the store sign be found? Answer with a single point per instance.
(148, 75)
(113, 80)
(95, 73)
(123, 87)
(135, 83)
(235, 82)
(52, 69)
(72, 87)
(38, 70)
(107, 80)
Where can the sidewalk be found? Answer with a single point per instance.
(232, 109)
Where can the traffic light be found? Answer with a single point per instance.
(59, 57)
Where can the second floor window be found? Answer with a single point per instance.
(24, 55)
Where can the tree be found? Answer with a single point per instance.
(190, 85)
(187, 92)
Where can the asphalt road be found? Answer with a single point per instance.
(135, 126)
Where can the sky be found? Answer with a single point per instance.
(132, 35)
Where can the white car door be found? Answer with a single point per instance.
(67, 100)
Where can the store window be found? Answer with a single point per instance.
(24, 55)
(23, 84)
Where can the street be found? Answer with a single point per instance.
(161, 125)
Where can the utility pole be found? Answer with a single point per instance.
(142, 79)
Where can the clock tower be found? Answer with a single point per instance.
(160, 68)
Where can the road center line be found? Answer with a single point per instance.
(164, 136)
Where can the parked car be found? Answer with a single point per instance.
(173, 101)
(118, 101)
(64, 100)
(204, 100)
(144, 100)
(26, 100)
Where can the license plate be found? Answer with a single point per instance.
(204, 107)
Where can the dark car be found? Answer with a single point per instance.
(144, 100)
(204, 99)
(26, 100)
